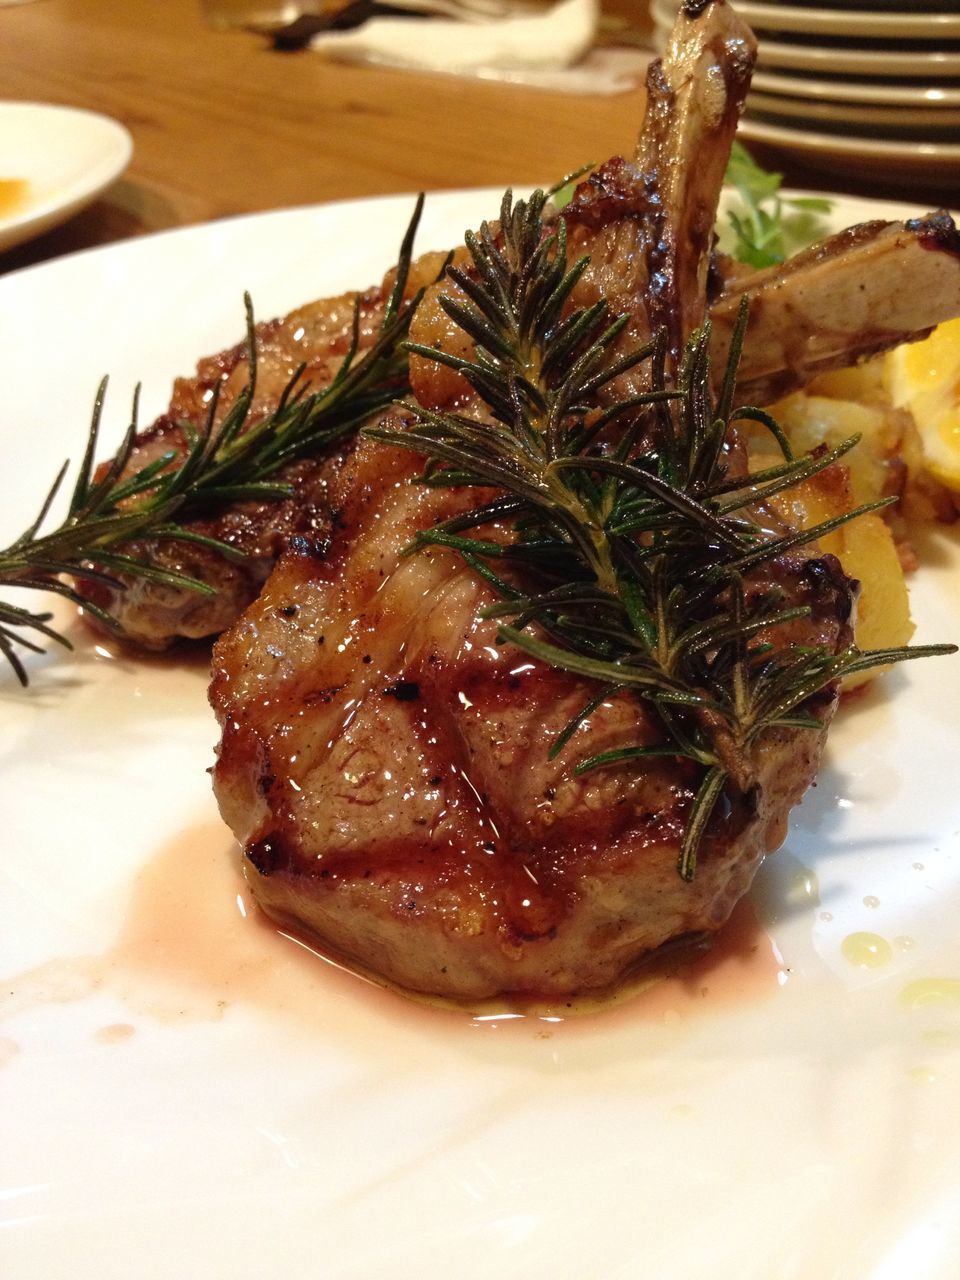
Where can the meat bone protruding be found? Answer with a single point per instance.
(854, 295)
(647, 224)
(694, 99)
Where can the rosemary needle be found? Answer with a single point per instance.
(629, 561)
(236, 460)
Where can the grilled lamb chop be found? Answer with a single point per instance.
(153, 614)
(385, 762)
(315, 339)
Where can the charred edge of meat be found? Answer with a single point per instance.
(403, 691)
(269, 854)
(936, 231)
(720, 271)
(616, 190)
(825, 575)
(316, 547)
(229, 359)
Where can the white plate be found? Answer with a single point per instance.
(903, 163)
(849, 115)
(186, 1095)
(64, 157)
(836, 22)
(860, 62)
(917, 6)
(835, 90)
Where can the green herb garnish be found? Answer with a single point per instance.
(768, 227)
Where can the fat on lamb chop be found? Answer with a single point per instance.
(385, 763)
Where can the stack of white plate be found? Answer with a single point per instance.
(855, 86)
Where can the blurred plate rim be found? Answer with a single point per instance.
(903, 162)
(836, 22)
(853, 113)
(66, 179)
(851, 61)
(773, 82)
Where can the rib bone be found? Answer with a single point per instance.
(861, 292)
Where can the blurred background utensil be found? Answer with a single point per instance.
(223, 15)
(293, 21)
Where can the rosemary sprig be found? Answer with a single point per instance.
(630, 555)
(768, 227)
(232, 461)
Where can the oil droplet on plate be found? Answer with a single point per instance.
(115, 1033)
(871, 901)
(930, 991)
(940, 1037)
(866, 950)
(922, 1075)
(804, 889)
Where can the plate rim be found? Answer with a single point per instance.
(858, 113)
(839, 144)
(891, 208)
(887, 23)
(851, 91)
(47, 213)
(886, 62)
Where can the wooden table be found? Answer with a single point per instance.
(223, 124)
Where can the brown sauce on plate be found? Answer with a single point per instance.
(193, 925)
(194, 945)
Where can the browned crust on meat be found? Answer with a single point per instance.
(154, 615)
(385, 764)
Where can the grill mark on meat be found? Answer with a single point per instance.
(268, 854)
(403, 691)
